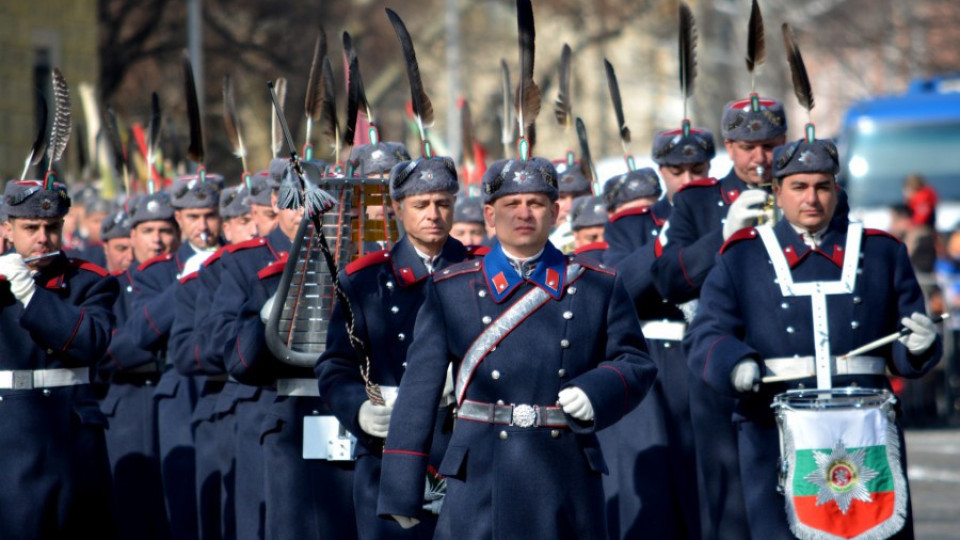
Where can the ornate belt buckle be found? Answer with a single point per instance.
(22, 380)
(524, 416)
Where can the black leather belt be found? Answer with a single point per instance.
(519, 415)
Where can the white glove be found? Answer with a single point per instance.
(374, 419)
(746, 376)
(575, 402)
(404, 521)
(20, 277)
(924, 332)
(267, 308)
(447, 397)
(195, 262)
(741, 213)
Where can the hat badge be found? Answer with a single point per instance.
(153, 206)
(806, 157)
(521, 177)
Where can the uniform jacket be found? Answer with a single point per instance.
(629, 229)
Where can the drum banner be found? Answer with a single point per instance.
(844, 476)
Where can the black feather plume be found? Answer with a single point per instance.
(231, 121)
(331, 125)
(314, 98)
(688, 53)
(422, 108)
(348, 49)
(61, 129)
(154, 130)
(195, 150)
(756, 41)
(586, 160)
(801, 82)
(40, 142)
(614, 87)
(276, 133)
(356, 95)
(116, 142)
(466, 134)
(563, 107)
(506, 112)
(528, 93)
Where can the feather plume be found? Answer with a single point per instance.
(422, 108)
(688, 53)
(617, 103)
(39, 143)
(195, 150)
(231, 121)
(506, 94)
(348, 49)
(331, 126)
(586, 160)
(116, 143)
(153, 132)
(466, 134)
(314, 98)
(60, 130)
(528, 93)
(756, 42)
(801, 82)
(276, 134)
(563, 106)
(356, 97)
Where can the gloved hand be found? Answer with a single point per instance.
(404, 521)
(374, 419)
(746, 376)
(742, 212)
(20, 277)
(267, 308)
(575, 402)
(447, 397)
(924, 332)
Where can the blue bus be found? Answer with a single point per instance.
(885, 139)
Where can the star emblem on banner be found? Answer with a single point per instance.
(841, 476)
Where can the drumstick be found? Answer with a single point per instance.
(888, 339)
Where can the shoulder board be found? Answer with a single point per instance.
(636, 211)
(369, 259)
(464, 267)
(272, 269)
(745, 233)
(188, 277)
(477, 251)
(596, 266)
(251, 243)
(89, 266)
(878, 232)
(155, 260)
(703, 182)
(602, 246)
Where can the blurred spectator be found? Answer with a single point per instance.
(921, 199)
(919, 239)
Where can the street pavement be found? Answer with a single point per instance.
(933, 466)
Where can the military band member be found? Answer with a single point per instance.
(633, 193)
(571, 184)
(385, 290)
(747, 329)
(115, 234)
(468, 225)
(56, 320)
(587, 220)
(564, 359)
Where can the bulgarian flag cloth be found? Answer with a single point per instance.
(844, 477)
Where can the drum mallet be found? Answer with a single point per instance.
(876, 344)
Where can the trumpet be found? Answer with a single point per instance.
(771, 212)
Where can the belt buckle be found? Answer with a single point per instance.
(22, 380)
(524, 416)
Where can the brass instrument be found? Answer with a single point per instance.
(771, 212)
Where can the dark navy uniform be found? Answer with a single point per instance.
(385, 290)
(55, 479)
(628, 229)
(738, 320)
(585, 335)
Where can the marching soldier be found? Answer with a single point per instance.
(115, 234)
(526, 422)
(864, 286)
(468, 226)
(587, 219)
(572, 183)
(56, 320)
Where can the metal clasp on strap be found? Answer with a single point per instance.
(524, 416)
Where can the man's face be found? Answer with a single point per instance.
(522, 221)
(289, 221)
(200, 226)
(807, 200)
(92, 223)
(469, 234)
(265, 218)
(587, 236)
(35, 237)
(73, 219)
(747, 156)
(239, 229)
(426, 218)
(677, 176)
(119, 254)
(152, 238)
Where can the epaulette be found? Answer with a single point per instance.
(89, 266)
(745, 233)
(464, 267)
(369, 259)
(188, 277)
(878, 232)
(636, 211)
(602, 246)
(477, 251)
(155, 260)
(251, 243)
(272, 269)
(596, 266)
(703, 182)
